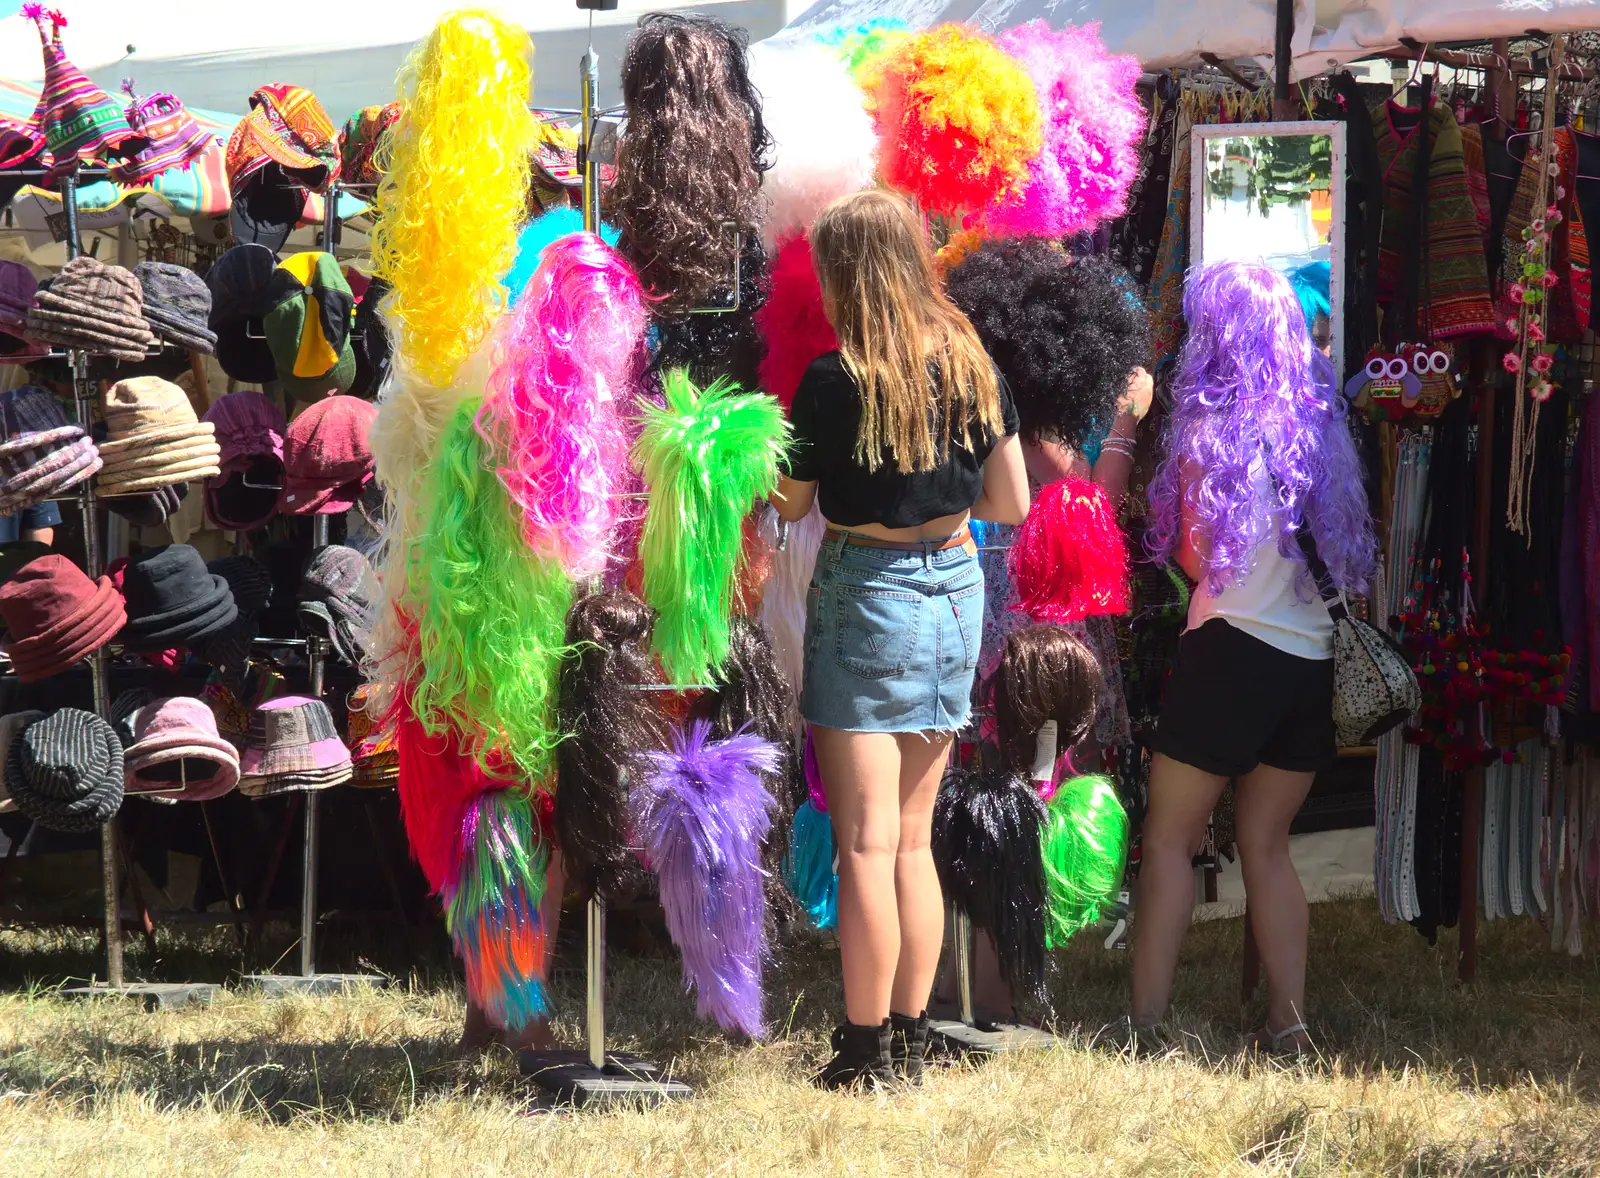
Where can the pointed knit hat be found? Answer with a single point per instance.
(79, 120)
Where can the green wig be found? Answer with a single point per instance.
(491, 617)
(707, 457)
(1084, 845)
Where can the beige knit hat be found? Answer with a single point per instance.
(153, 438)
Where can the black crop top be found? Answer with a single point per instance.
(826, 419)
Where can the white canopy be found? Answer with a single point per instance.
(1175, 32)
(214, 54)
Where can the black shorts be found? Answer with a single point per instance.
(1234, 702)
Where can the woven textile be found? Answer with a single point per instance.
(1455, 274)
(1569, 244)
(286, 125)
(79, 120)
(65, 771)
(173, 137)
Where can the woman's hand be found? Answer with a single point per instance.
(1141, 389)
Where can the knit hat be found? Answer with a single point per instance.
(337, 602)
(177, 305)
(242, 284)
(57, 616)
(293, 745)
(173, 600)
(176, 749)
(79, 120)
(287, 126)
(65, 771)
(308, 327)
(42, 454)
(93, 307)
(153, 438)
(173, 137)
(327, 458)
(9, 727)
(17, 288)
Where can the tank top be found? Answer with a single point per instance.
(1265, 604)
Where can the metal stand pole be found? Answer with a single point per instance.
(308, 884)
(963, 934)
(595, 971)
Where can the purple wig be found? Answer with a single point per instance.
(1250, 383)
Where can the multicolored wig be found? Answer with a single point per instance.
(825, 146)
(537, 236)
(490, 616)
(702, 814)
(1065, 333)
(551, 416)
(793, 322)
(1245, 393)
(690, 157)
(862, 47)
(707, 457)
(465, 128)
(1069, 559)
(958, 120)
(1093, 126)
(1044, 674)
(1084, 847)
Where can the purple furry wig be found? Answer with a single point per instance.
(1250, 382)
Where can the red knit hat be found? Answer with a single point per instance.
(57, 616)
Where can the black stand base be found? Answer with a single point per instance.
(954, 1037)
(316, 985)
(568, 1079)
(151, 995)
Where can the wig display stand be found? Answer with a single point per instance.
(308, 980)
(597, 1078)
(153, 995)
(966, 1035)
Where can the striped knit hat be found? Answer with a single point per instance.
(174, 137)
(79, 120)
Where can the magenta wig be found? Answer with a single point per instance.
(1069, 560)
(1251, 385)
(1093, 125)
(792, 322)
(551, 414)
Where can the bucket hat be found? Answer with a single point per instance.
(64, 771)
(337, 602)
(18, 553)
(56, 616)
(308, 327)
(172, 137)
(9, 727)
(41, 452)
(93, 307)
(177, 751)
(248, 581)
(17, 288)
(149, 509)
(60, 469)
(177, 305)
(241, 284)
(79, 120)
(153, 438)
(293, 746)
(173, 599)
(327, 458)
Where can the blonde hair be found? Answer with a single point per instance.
(893, 320)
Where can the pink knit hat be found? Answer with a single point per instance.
(177, 751)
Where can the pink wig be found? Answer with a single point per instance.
(551, 413)
(792, 322)
(1093, 124)
(1069, 560)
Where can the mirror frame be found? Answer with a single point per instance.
(1335, 130)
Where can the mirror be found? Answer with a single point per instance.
(1274, 192)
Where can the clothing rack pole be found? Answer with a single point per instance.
(1283, 105)
(94, 564)
(1472, 800)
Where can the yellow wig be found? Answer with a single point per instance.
(456, 187)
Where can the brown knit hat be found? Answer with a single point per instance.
(95, 307)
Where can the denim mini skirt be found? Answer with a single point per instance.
(892, 637)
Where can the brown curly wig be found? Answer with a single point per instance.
(690, 158)
(1044, 674)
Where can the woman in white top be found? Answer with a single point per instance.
(1256, 448)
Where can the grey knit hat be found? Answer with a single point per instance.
(65, 771)
(337, 600)
(177, 304)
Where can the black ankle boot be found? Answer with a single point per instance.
(860, 1056)
(908, 1045)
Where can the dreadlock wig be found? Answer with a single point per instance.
(706, 458)
(465, 127)
(1044, 674)
(1064, 333)
(610, 727)
(1248, 391)
(690, 158)
(986, 849)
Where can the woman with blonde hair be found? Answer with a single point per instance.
(901, 436)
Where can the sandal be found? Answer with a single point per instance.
(1283, 1045)
(1124, 1037)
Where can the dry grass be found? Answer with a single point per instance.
(1420, 1076)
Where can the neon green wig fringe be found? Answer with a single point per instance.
(1084, 845)
(706, 457)
(491, 617)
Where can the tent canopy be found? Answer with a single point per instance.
(1163, 33)
(214, 56)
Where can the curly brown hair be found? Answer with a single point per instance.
(690, 158)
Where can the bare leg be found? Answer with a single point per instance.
(861, 777)
(918, 901)
(478, 1032)
(1181, 797)
(1266, 801)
